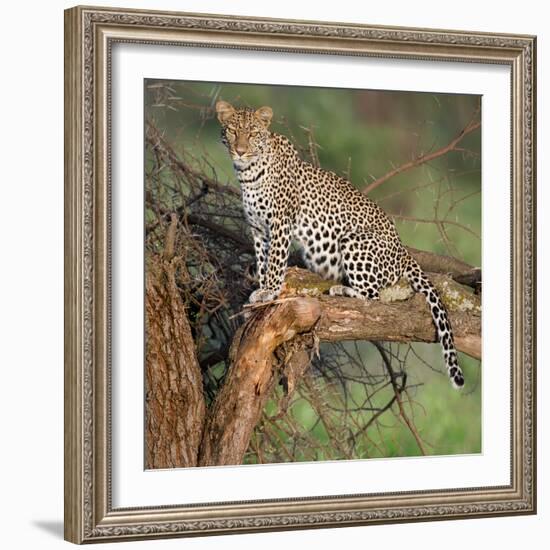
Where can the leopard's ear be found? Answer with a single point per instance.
(264, 114)
(224, 111)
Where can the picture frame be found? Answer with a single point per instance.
(90, 35)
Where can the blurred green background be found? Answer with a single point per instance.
(362, 135)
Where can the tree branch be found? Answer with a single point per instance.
(460, 271)
(422, 159)
(397, 390)
(156, 141)
(251, 378)
(399, 316)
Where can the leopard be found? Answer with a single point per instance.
(343, 235)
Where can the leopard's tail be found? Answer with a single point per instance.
(420, 283)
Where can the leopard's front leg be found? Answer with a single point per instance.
(261, 247)
(277, 256)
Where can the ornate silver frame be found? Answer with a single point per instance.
(89, 35)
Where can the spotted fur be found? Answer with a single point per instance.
(343, 234)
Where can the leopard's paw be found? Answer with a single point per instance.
(341, 290)
(337, 290)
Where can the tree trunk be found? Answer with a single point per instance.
(174, 399)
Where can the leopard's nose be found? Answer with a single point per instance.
(241, 149)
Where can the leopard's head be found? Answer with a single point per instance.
(245, 132)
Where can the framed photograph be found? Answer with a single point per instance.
(300, 274)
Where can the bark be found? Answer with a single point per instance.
(252, 377)
(174, 402)
(408, 321)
